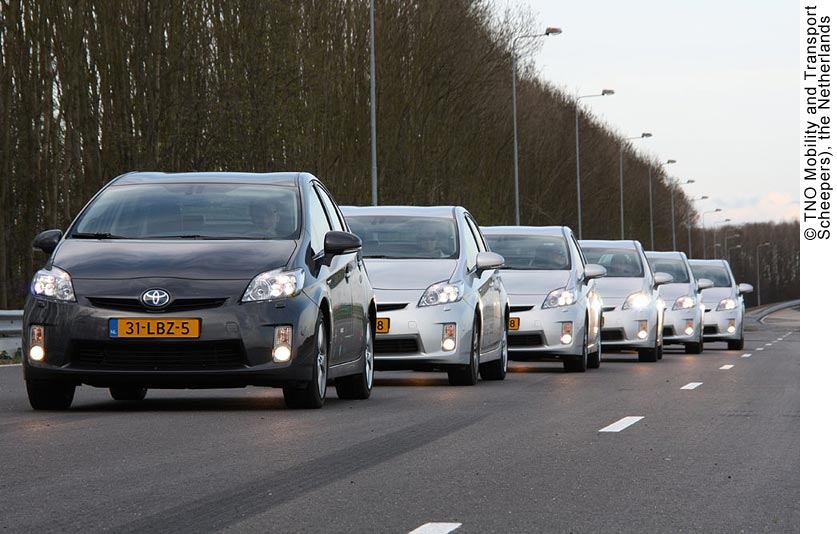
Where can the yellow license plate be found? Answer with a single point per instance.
(514, 323)
(180, 328)
(381, 325)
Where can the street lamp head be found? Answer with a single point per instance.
(646, 134)
(689, 182)
(669, 162)
(718, 209)
(607, 92)
(765, 244)
(704, 197)
(727, 220)
(552, 31)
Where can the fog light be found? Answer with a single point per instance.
(731, 327)
(690, 327)
(643, 330)
(282, 343)
(449, 337)
(36, 354)
(566, 333)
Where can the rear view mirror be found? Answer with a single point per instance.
(745, 288)
(338, 243)
(489, 260)
(594, 270)
(662, 278)
(47, 241)
(704, 283)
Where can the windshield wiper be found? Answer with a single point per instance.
(96, 235)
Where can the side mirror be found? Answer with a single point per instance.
(594, 270)
(47, 241)
(337, 243)
(662, 278)
(489, 260)
(705, 283)
(745, 288)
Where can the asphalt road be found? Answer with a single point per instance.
(524, 455)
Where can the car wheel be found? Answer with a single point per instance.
(694, 348)
(594, 359)
(497, 369)
(648, 355)
(467, 375)
(578, 364)
(128, 393)
(737, 344)
(50, 395)
(313, 394)
(359, 386)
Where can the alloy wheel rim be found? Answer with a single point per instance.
(370, 357)
(321, 362)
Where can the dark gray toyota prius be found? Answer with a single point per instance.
(201, 280)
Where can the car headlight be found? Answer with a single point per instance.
(727, 304)
(272, 285)
(53, 284)
(637, 301)
(559, 297)
(442, 293)
(684, 303)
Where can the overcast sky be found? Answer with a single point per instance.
(715, 81)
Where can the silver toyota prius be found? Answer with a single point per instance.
(684, 300)
(555, 312)
(633, 308)
(724, 303)
(441, 304)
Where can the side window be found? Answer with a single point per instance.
(331, 209)
(469, 247)
(318, 221)
(578, 258)
(477, 234)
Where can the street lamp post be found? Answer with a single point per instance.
(651, 198)
(716, 210)
(674, 185)
(547, 32)
(372, 104)
(689, 228)
(605, 92)
(758, 272)
(621, 179)
(727, 237)
(715, 243)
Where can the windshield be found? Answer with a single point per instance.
(675, 267)
(531, 252)
(192, 211)
(619, 262)
(717, 273)
(405, 237)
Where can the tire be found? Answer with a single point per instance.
(467, 374)
(578, 364)
(660, 351)
(737, 344)
(594, 359)
(694, 348)
(648, 355)
(49, 395)
(359, 386)
(497, 369)
(312, 396)
(128, 393)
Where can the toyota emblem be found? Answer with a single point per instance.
(156, 298)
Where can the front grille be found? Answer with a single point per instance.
(668, 330)
(613, 334)
(518, 309)
(396, 346)
(157, 355)
(134, 305)
(710, 330)
(525, 340)
(391, 307)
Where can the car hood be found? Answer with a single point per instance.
(522, 282)
(613, 288)
(408, 274)
(713, 295)
(197, 260)
(671, 292)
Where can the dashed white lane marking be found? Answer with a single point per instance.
(692, 385)
(436, 528)
(725, 367)
(760, 348)
(623, 423)
(768, 344)
(746, 355)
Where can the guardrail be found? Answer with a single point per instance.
(11, 322)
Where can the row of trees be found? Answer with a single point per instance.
(90, 89)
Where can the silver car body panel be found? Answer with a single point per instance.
(715, 321)
(676, 320)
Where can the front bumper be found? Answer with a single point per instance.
(414, 339)
(717, 323)
(233, 349)
(676, 323)
(540, 330)
(621, 328)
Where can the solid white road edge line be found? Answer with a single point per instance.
(759, 348)
(11, 365)
(746, 355)
(725, 367)
(692, 385)
(623, 423)
(436, 528)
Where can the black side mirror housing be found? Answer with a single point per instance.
(47, 241)
(338, 243)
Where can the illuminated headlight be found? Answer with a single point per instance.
(566, 333)
(731, 326)
(53, 284)
(727, 304)
(442, 293)
(637, 301)
(643, 330)
(683, 303)
(449, 337)
(559, 297)
(690, 327)
(282, 337)
(272, 285)
(36, 343)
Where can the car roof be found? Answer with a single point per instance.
(269, 178)
(719, 263)
(414, 211)
(673, 254)
(523, 230)
(626, 244)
